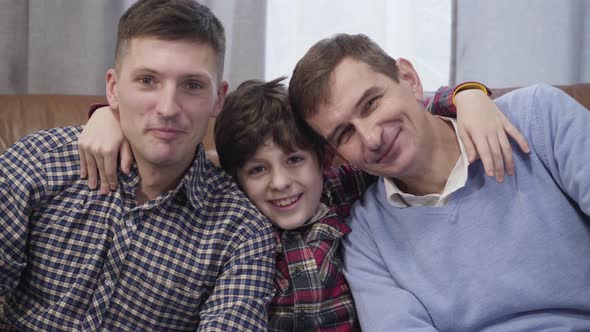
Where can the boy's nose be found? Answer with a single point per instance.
(279, 180)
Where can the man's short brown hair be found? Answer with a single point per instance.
(252, 113)
(309, 85)
(171, 20)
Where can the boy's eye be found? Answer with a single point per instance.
(256, 170)
(295, 160)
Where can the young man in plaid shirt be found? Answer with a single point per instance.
(177, 247)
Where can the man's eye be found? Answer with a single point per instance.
(344, 136)
(193, 85)
(371, 104)
(146, 80)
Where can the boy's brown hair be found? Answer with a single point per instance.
(309, 85)
(251, 114)
(171, 20)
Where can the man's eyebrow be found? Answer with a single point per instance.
(144, 70)
(369, 92)
(201, 76)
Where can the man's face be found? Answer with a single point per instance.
(372, 121)
(165, 92)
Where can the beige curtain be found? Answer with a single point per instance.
(66, 46)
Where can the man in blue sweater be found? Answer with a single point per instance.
(436, 245)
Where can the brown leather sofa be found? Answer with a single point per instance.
(24, 114)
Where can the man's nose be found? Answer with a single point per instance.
(168, 105)
(370, 134)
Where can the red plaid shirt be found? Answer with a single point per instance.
(312, 294)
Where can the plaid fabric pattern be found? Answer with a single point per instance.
(441, 103)
(199, 257)
(312, 294)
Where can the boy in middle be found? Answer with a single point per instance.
(279, 168)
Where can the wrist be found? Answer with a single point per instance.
(469, 88)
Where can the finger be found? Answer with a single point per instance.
(104, 182)
(496, 158)
(485, 155)
(516, 135)
(506, 153)
(91, 169)
(469, 146)
(110, 165)
(126, 157)
(83, 166)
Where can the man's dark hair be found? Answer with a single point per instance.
(171, 20)
(309, 85)
(252, 113)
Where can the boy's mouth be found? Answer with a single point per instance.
(285, 202)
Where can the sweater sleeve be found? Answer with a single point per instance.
(560, 128)
(382, 305)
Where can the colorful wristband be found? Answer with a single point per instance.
(468, 86)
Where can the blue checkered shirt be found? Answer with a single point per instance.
(199, 257)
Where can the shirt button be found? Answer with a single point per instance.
(301, 315)
(108, 282)
(128, 223)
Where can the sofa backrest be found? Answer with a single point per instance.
(24, 114)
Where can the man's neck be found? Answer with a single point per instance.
(436, 164)
(157, 180)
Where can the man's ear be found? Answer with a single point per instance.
(111, 89)
(408, 74)
(221, 93)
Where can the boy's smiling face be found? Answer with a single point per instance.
(285, 187)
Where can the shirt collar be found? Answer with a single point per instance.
(189, 188)
(457, 179)
(326, 224)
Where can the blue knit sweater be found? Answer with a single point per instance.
(498, 257)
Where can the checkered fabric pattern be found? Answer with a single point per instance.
(199, 257)
(312, 294)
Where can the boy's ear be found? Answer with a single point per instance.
(111, 89)
(409, 76)
(221, 94)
